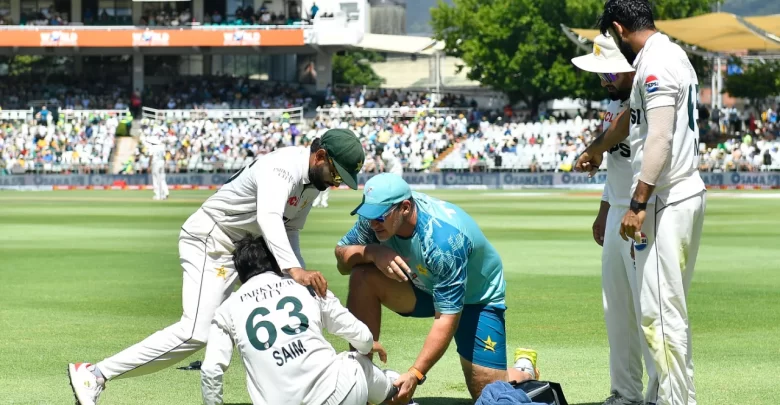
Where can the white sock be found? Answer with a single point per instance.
(98, 375)
(524, 364)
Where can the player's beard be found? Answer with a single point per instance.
(629, 53)
(317, 177)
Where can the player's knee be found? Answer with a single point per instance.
(364, 277)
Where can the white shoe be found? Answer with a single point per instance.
(616, 399)
(86, 387)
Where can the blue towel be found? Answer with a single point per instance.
(502, 393)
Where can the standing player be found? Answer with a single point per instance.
(621, 303)
(456, 277)
(391, 162)
(664, 146)
(270, 197)
(157, 152)
(277, 325)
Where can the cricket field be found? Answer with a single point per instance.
(88, 273)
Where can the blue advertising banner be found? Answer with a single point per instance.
(420, 180)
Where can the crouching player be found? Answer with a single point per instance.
(277, 325)
(456, 277)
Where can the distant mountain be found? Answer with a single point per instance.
(418, 13)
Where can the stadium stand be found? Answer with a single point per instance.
(219, 124)
(77, 142)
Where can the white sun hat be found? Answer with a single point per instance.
(605, 58)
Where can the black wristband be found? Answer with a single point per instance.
(637, 206)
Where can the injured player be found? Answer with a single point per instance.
(277, 326)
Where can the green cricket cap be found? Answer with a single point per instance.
(347, 153)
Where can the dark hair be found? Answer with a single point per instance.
(252, 257)
(634, 15)
(316, 145)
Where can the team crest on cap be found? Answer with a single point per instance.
(596, 50)
(642, 244)
(651, 84)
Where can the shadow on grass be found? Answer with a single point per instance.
(462, 401)
(442, 401)
(449, 401)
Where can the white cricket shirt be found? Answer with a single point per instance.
(277, 325)
(617, 191)
(665, 77)
(158, 155)
(392, 162)
(272, 197)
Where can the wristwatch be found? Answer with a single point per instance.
(420, 376)
(637, 206)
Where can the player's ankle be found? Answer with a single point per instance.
(101, 379)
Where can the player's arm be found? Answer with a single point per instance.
(294, 227)
(599, 225)
(591, 158)
(355, 247)
(340, 322)
(219, 351)
(449, 292)
(294, 237)
(616, 132)
(273, 187)
(660, 106)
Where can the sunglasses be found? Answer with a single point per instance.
(386, 214)
(608, 77)
(334, 173)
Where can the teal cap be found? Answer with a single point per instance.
(381, 193)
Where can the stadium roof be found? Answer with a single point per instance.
(718, 32)
(590, 35)
(768, 23)
(400, 44)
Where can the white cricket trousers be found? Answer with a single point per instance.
(209, 278)
(360, 379)
(620, 293)
(159, 184)
(665, 269)
(322, 198)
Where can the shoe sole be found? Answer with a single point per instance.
(72, 388)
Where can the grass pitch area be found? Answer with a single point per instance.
(86, 274)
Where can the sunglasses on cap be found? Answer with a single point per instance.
(608, 77)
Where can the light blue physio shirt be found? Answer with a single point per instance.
(448, 254)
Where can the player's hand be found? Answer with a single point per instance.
(380, 350)
(589, 162)
(600, 224)
(631, 226)
(406, 384)
(312, 278)
(390, 263)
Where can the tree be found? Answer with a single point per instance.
(757, 82)
(516, 46)
(353, 68)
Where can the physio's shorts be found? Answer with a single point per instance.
(481, 334)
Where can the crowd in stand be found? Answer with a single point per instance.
(407, 129)
(46, 144)
(224, 92)
(186, 92)
(355, 98)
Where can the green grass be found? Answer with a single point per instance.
(86, 274)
